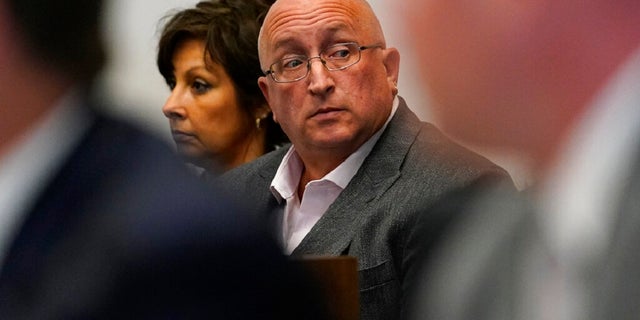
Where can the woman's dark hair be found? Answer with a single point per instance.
(230, 31)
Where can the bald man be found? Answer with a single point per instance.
(559, 83)
(362, 169)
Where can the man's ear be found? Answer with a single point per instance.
(391, 61)
(263, 83)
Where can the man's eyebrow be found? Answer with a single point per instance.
(286, 43)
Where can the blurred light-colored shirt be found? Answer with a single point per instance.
(578, 203)
(31, 163)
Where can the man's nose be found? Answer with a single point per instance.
(320, 80)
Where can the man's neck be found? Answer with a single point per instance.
(316, 168)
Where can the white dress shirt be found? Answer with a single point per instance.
(31, 162)
(300, 216)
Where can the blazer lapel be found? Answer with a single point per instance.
(265, 202)
(333, 233)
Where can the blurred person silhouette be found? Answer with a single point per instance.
(559, 83)
(208, 56)
(362, 167)
(98, 220)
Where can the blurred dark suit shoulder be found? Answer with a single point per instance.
(123, 231)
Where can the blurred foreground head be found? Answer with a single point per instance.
(46, 47)
(518, 74)
(61, 36)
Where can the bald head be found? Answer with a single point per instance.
(285, 13)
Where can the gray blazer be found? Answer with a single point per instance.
(409, 169)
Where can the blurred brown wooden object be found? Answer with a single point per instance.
(337, 276)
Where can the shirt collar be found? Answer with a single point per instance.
(285, 182)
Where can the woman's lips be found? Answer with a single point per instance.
(182, 137)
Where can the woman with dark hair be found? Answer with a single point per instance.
(208, 56)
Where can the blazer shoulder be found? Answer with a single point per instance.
(252, 178)
(264, 166)
(435, 152)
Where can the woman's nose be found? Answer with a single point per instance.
(174, 107)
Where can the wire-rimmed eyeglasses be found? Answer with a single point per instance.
(336, 57)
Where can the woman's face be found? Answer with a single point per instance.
(207, 123)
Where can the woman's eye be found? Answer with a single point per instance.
(200, 86)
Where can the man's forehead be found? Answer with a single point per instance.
(305, 36)
(307, 24)
(285, 15)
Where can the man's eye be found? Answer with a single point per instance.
(340, 54)
(292, 63)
